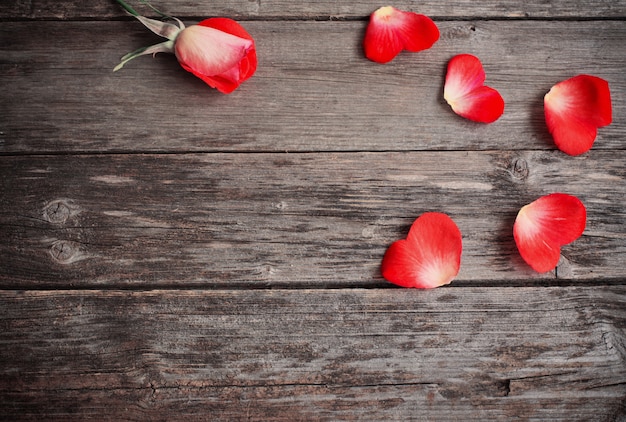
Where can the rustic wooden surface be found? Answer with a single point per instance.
(448, 354)
(317, 91)
(170, 253)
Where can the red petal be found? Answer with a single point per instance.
(249, 63)
(484, 105)
(391, 30)
(227, 25)
(429, 257)
(466, 94)
(465, 74)
(574, 109)
(543, 226)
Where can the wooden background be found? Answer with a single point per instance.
(169, 252)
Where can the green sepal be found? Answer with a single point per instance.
(164, 47)
(163, 29)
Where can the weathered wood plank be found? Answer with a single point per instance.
(288, 219)
(273, 9)
(446, 354)
(313, 90)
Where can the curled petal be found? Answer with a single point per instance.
(465, 92)
(391, 30)
(548, 223)
(465, 74)
(575, 109)
(484, 105)
(429, 257)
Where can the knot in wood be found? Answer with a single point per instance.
(459, 32)
(65, 251)
(519, 168)
(59, 211)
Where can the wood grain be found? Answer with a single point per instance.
(313, 91)
(227, 220)
(168, 252)
(447, 354)
(319, 9)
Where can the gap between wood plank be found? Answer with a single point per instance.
(470, 284)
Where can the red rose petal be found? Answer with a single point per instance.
(466, 94)
(249, 63)
(575, 109)
(429, 257)
(391, 30)
(227, 25)
(543, 226)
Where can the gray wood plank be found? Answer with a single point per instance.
(324, 9)
(321, 219)
(313, 91)
(277, 355)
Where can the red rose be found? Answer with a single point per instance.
(218, 51)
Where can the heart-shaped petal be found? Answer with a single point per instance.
(575, 109)
(466, 93)
(391, 30)
(548, 223)
(429, 257)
